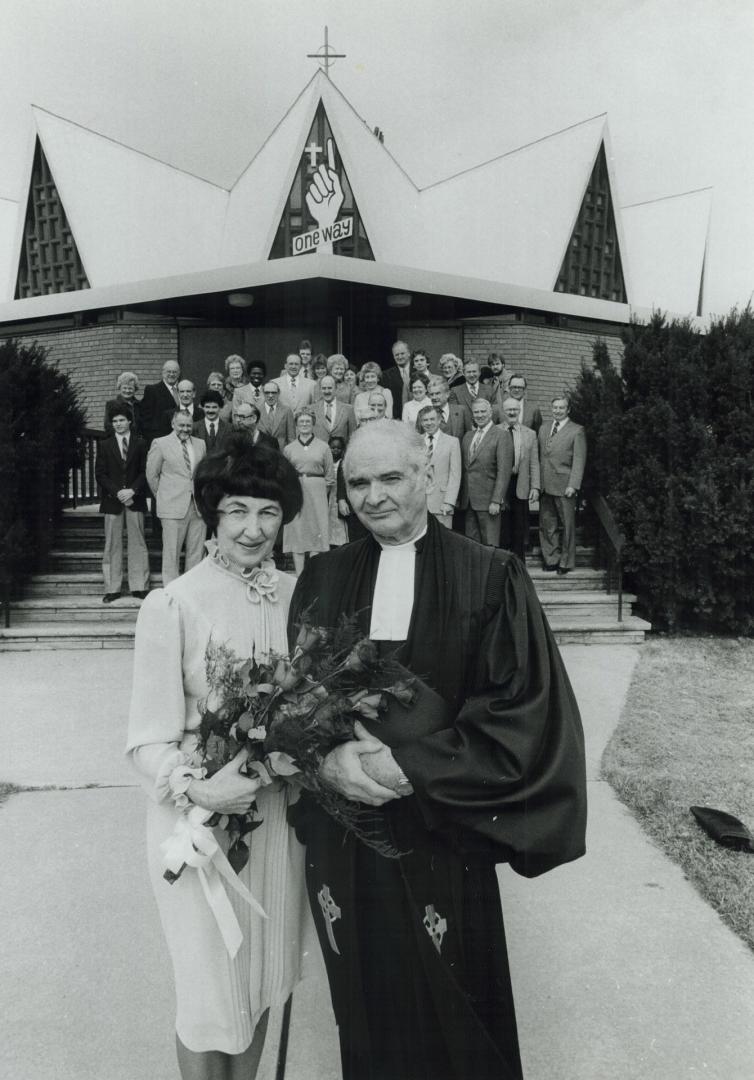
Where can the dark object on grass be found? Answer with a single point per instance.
(724, 828)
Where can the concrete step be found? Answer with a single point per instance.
(587, 605)
(74, 562)
(119, 635)
(67, 609)
(597, 631)
(70, 635)
(582, 579)
(87, 584)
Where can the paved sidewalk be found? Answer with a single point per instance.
(621, 972)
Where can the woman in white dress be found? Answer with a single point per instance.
(419, 398)
(309, 532)
(234, 597)
(371, 375)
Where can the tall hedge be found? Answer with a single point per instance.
(40, 432)
(672, 448)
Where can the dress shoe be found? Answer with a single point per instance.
(563, 570)
(110, 596)
(549, 569)
(140, 594)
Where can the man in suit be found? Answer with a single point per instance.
(562, 456)
(211, 428)
(295, 389)
(488, 461)
(332, 418)
(444, 455)
(120, 473)
(158, 399)
(523, 486)
(396, 378)
(171, 464)
(246, 420)
(470, 391)
(275, 418)
(498, 379)
(252, 390)
(528, 415)
(452, 416)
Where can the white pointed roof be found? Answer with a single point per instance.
(665, 244)
(132, 217)
(506, 222)
(513, 216)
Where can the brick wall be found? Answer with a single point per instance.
(94, 356)
(548, 357)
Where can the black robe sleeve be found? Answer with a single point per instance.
(507, 780)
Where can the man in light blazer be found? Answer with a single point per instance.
(470, 390)
(275, 418)
(487, 457)
(562, 457)
(523, 486)
(171, 465)
(444, 453)
(295, 389)
(332, 418)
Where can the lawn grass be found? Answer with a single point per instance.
(686, 737)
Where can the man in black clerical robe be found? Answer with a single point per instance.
(493, 760)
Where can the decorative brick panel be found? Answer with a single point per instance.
(94, 357)
(548, 357)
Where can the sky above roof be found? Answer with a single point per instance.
(201, 84)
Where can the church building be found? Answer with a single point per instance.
(118, 261)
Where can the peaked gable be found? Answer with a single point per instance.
(321, 195)
(49, 261)
(592, 265)
(133, 217)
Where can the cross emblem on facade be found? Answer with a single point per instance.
(326, 56)
(312, 150)
(435, 925)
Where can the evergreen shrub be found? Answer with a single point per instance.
(40, 439)
(671, 446)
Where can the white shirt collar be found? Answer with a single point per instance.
(393, 600)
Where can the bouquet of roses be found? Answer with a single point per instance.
(288, 712)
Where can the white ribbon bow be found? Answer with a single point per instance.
(193, 843)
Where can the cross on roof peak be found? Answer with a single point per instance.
(325, 56)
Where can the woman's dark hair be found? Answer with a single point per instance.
(243, 468)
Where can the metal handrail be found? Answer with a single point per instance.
(617, 541)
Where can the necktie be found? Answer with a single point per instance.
(186, 457)
(124, 447)
(431, 444)
(475, 444)
(293, 384)
(512, 430)
(328, 415)
(212, 433)
(176, 399)
(555, 429)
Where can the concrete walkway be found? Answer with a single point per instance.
(620, 970)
